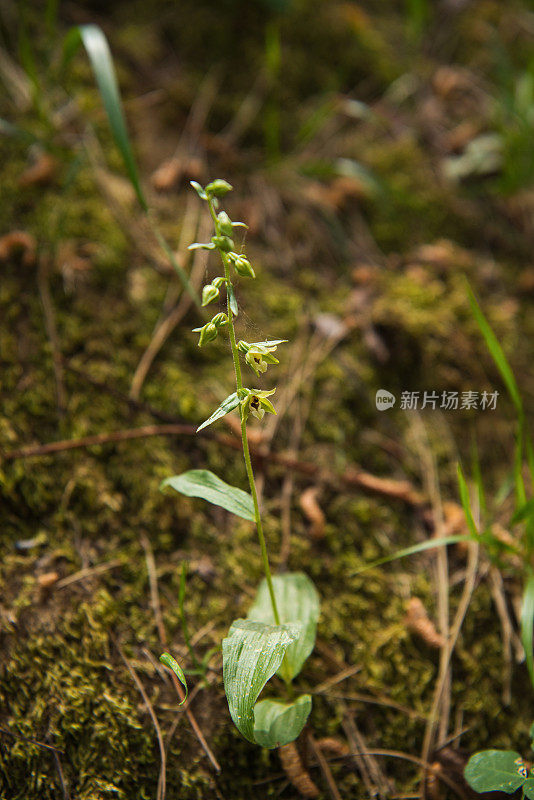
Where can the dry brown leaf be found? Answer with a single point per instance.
(329, 744)
(312, 511)
(47, 580)
(18, 242)
(41, 173)
(418, 621)
(73, 260)
(294, 769)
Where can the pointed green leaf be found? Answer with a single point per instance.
(276, 723)
(495, 771)
(496, 351)
(231, 402)
(297, 601)
(252, 652)
(171, 663)
(527, 624)
(466, 503)
(232, 298)
(522, 513)
(203, 483)
(430, 544)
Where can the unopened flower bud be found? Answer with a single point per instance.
(225, 223)
(220, 320)
(218, 188)
(243, 267)
(209, 294)
(207, 334)
(223, 243)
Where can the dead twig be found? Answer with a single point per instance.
(352, 477)
(325, 769)
(156, 606)
(154, 593)
(51, 331)
(88, 572)
(163, 758)
(164, 328)
(369, 768)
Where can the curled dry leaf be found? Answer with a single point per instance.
(18, 242)
(329, 744)
(312, 511)
(294, 769)
(73, 260)
(433, 788)
(47, 580)
(418, 621)
(41, 173)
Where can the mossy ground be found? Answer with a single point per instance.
(62, 680)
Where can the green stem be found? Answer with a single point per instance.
(244, 438)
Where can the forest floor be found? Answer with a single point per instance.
(387, 162)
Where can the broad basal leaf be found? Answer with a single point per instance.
(297, 601)
(495, 771)
(276, 723)
(231, 402)
(203, 483)
(252, 652)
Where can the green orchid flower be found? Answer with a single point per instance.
(256, 403)
(259, 354)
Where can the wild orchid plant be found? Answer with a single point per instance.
(279, 632)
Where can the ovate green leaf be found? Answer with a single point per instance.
(276, 723)
(297, 601)
(495, 771)
(231, 402)
(203, 483)
(171, 663)
(252, 652)
(528, 788)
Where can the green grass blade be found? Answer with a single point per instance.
(416, 548)
(497, 352)
(477, 473)
(97, 48)
(527, 623)
(466, 504)
(99, 54)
